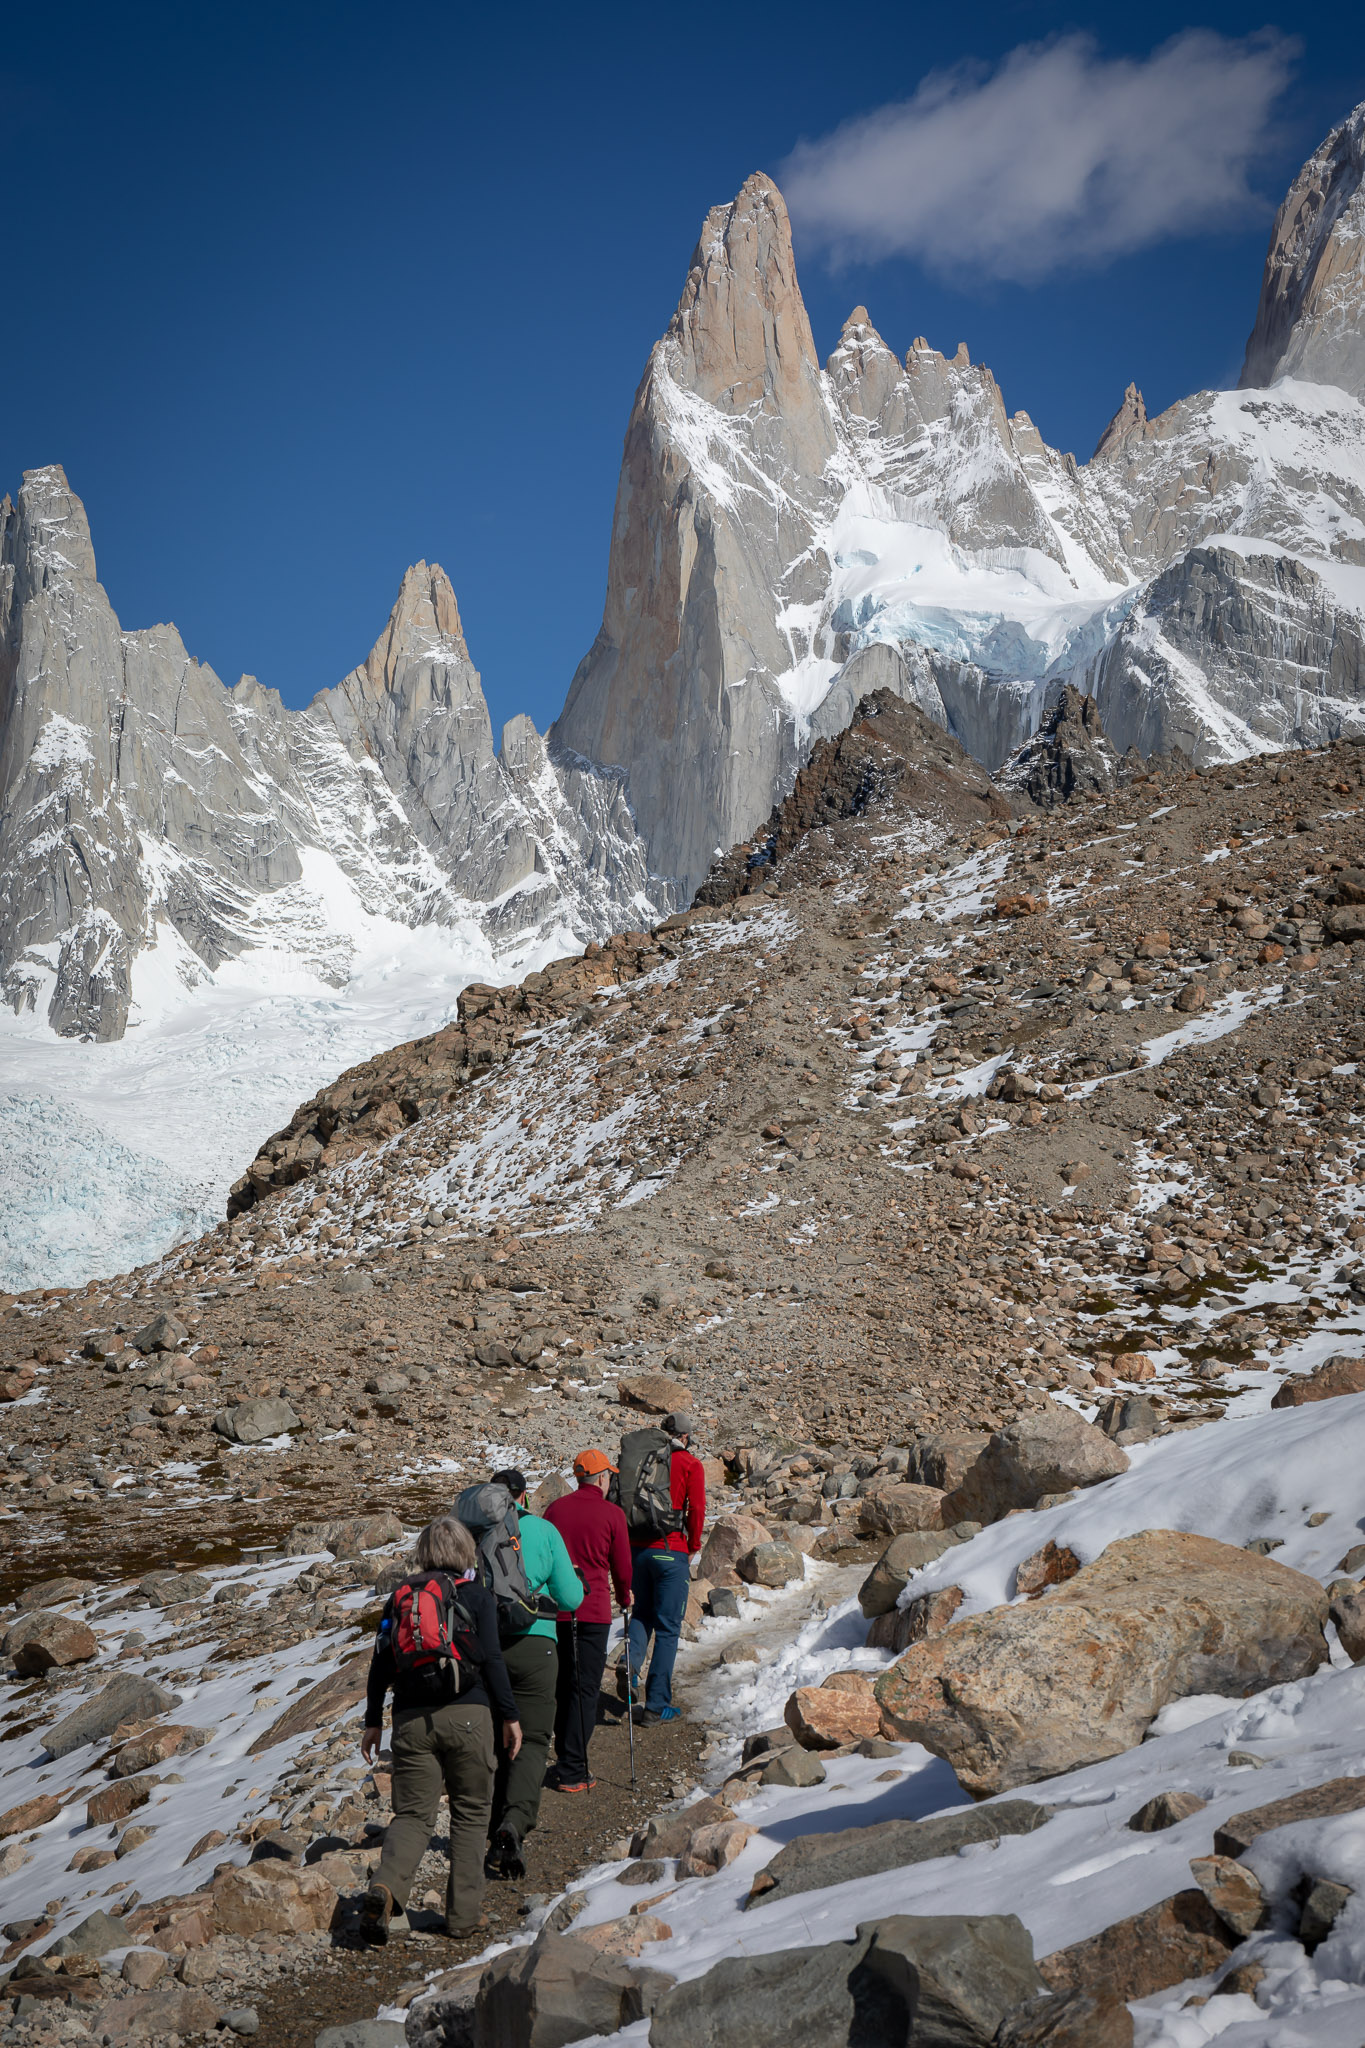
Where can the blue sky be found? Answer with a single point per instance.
(300, 294)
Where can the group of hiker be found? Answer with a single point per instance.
(496, 1644)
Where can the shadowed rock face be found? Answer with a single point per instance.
(142, 801)
(1308, 322)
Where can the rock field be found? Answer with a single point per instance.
(967, 1150)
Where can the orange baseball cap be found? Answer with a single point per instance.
(588, 1463)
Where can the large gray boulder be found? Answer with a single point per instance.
(256, 1421)
(1050, 1450)
(124, 1698)
(559, 1990)
(936, 1982)
(810, 1862)
(906, 1553)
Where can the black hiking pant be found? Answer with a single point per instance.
(580, 1682)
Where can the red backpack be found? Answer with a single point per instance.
(430, 1628)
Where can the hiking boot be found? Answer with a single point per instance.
(572, 1784)
(479, 1926)
(627, 1688)
(376, 1911)
(507, 1850)
(650, 1717)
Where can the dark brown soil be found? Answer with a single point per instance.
(351, 1983)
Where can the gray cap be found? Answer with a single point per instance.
(680, 1422)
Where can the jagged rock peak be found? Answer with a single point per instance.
(741, 326)
(425, 620)
(55, 531)
(1069, 755)
(1131, 418)
(1310, 322)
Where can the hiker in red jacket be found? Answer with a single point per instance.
(598, 1543)
(660, 1576)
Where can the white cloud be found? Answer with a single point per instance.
(1059, 157)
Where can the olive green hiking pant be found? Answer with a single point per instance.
(533, 1667)
(449, 1750)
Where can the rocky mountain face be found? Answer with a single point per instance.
(789, 537)
(1308, 322)
(146, 808)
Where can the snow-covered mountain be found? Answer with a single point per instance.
(788, 537)
(150, 815)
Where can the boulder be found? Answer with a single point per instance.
(901, 1507)
(653, 1393)
(1165, 1810)
(794, 1766)
(256, 1422)
(115, 1802)
(810, 1862)
(906, 1553)
(957, 1975)
(1348, 1613)
(770, 1564)
(559, 1990)
(154, 1745)
(668, 1834)
(14, 1385)
(1315, 1802)
(945, 1460)
(173, 1589)
(30, 1813)
(1047, 1451)
(732, 1537)
(1232, 1890)
(45, 1642)
(711, 1849)
(1078, 2019)
(330, 1696)
(1022, 1693)
(272, 1898)
(626, 1937)
(1338, 1374)
(735, 2004)
(154, 2015)
(95, 1936)
(345, 1538)
(124, 1698)
(163, 1333)
(821, 1718)
(1181, 1937)
(919, 1619)
(554, 1486)
(53, 1593)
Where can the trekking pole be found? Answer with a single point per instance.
(630, 1705)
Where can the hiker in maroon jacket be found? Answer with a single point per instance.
(598, 1543)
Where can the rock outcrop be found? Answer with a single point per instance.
(1308, 321)
(1021, 1693)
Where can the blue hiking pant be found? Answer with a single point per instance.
(659, 1582)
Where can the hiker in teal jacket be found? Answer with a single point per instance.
(532, 1662)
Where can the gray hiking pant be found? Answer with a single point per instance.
(451, 1750)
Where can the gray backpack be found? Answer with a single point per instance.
(643, 1486)
(488, 1513)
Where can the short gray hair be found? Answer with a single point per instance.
(445, 1545)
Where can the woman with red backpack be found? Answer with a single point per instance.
(438, 1650)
